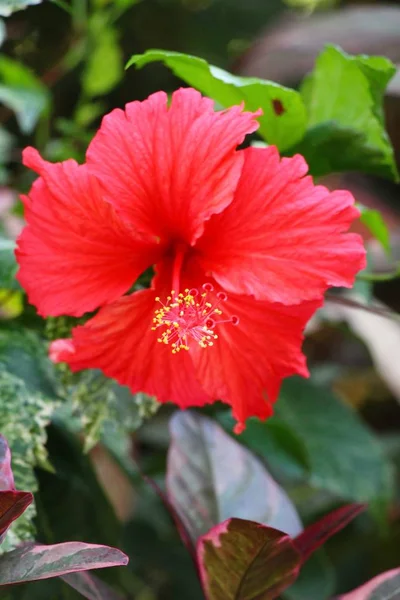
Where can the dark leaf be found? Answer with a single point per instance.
(183, 532)
(7, 7)
(33, 561)
(242, 560)
(385, 586)
(12, 505)
(316, 580)
(345, 457)
(316, 534)
(210, 477)
(8, 265)
(90, 586)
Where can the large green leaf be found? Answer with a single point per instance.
(7, 7)
(210, 478)
(243, 560)
(344, 99)
(33, 561)
(23, 93)
(283, 122)
(345, 457)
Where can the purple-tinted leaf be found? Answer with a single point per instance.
(33, 561)
(316, 534)
(243, 560)
(90, 586)
(210, 478)
(385, 586)
(6, 474)
(12, 505)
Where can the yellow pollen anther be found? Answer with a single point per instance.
(190, 317)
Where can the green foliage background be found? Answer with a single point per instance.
(75, 438)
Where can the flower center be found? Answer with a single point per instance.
(190, 316)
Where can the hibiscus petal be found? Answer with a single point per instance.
(120, 342)
(247, 363)
(75, 254)
(282, 239)
(169, 169)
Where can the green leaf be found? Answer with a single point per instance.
(345, 457)
(11, 304)
(6, 144)
(344, 99)
(204, 488)
(241, 559)
(311, 5)
(283, 122)
(34, 561)
(104, 68)
(23, 354)
(373, 220)
(24, 417)
(3, 31)
(7, 7)
(96, 402)
(8, 265)
(316, 579)
(23, 93)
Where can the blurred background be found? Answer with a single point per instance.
(62, 68)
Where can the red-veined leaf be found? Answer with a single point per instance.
(316, 534)
(241, 559)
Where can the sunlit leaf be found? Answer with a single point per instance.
(210, 478)
(241, 559)
(283, 121)
(104, 68)
(11, 304)
(344, 100)
(22, 92)
(374, 221)
(34, 561)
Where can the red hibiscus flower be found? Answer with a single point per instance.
(244, 247)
